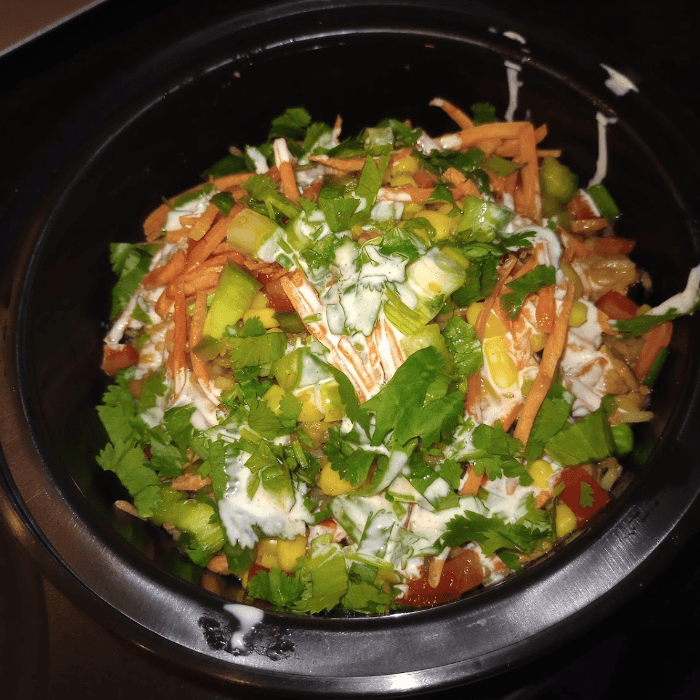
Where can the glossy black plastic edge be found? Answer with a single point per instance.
(431, 677)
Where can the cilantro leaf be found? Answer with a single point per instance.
(633, 327)
(480, 280)
(483, 113)
(291, 124)
(460, 338)
(324, 577)
(586, 498)
(275, 586)
(130, 262)
(551, 418)
(371, 179)
(588, 440)
(531, 282)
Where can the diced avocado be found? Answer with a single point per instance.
(557, 180)
(232, 298)
(483, 219)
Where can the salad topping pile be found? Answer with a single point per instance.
(375, 373)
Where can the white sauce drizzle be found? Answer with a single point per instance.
(618, 83)
(514, 85)
(602, 163)
(248, 617)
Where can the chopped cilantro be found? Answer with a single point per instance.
(531, 282)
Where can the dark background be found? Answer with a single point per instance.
(649, 648)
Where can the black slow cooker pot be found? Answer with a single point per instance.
(148, 134)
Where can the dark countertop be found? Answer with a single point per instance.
(649, 646)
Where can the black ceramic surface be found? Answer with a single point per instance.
(147, 136)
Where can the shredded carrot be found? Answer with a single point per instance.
(551, 354)
(227, 181)
(456, 114)
(166, 273)
(522, 269)
(551, 152)
(177, 235)
(501, 130)
(163, 304)
(489, 146)
(155, 221)
(290, 189)
(204, 222)
(609, 245)
(215, 235)
(207, 279)
(574, 248)
(311, 191)
(654, 340)
(530, 173)
(472, 483)
(337, 126)
(454, 176)
(199, 366)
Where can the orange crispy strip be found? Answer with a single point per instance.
(215, 235)
(472, 483)
(235, 180)
(166, 273)
(546, 312)
(509, 418)
(199, 366)
(204, 222)
(489, 146)
(553, 350)
(347, 165)
(163, 304)
(179, 340)
(398, 194)
(290, 189)
(456, 114)
(501, 130)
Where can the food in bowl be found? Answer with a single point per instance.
(376, 373)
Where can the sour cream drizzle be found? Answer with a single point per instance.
(247, 617)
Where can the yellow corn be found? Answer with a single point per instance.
(331, 483)
(267, 553)
(443, 224)
(266, 316)
(409, 165)
(309, 410)
(401, 180)
(331, 403)
(272, 398)
(537, 342)
(259, 301)
(540, 470)
(501, 365)
(494, 327)
(578, 315)
(456, 255)
(288, 551)
(473, 311)
(565, 520)
(410, 209)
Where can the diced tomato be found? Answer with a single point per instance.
(278, 299)
(114, 360)
(616, 305)
(579, 208)
(459, 575)
(609, 245)
(583, 501)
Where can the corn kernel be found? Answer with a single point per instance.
(331, 403)
(540, 470)
(309, 410)
(272, 398)
(456, 255)
(288, 551)
(473, 311)
(267, 553)
(537, 342)
(401, 180)
(443, 224)
(410, 209)
(494, 327)
(578, 315)
(410, 165)
(501, 365)
(331, 483)
(259, 301)
(266, 316)
(565, 520)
